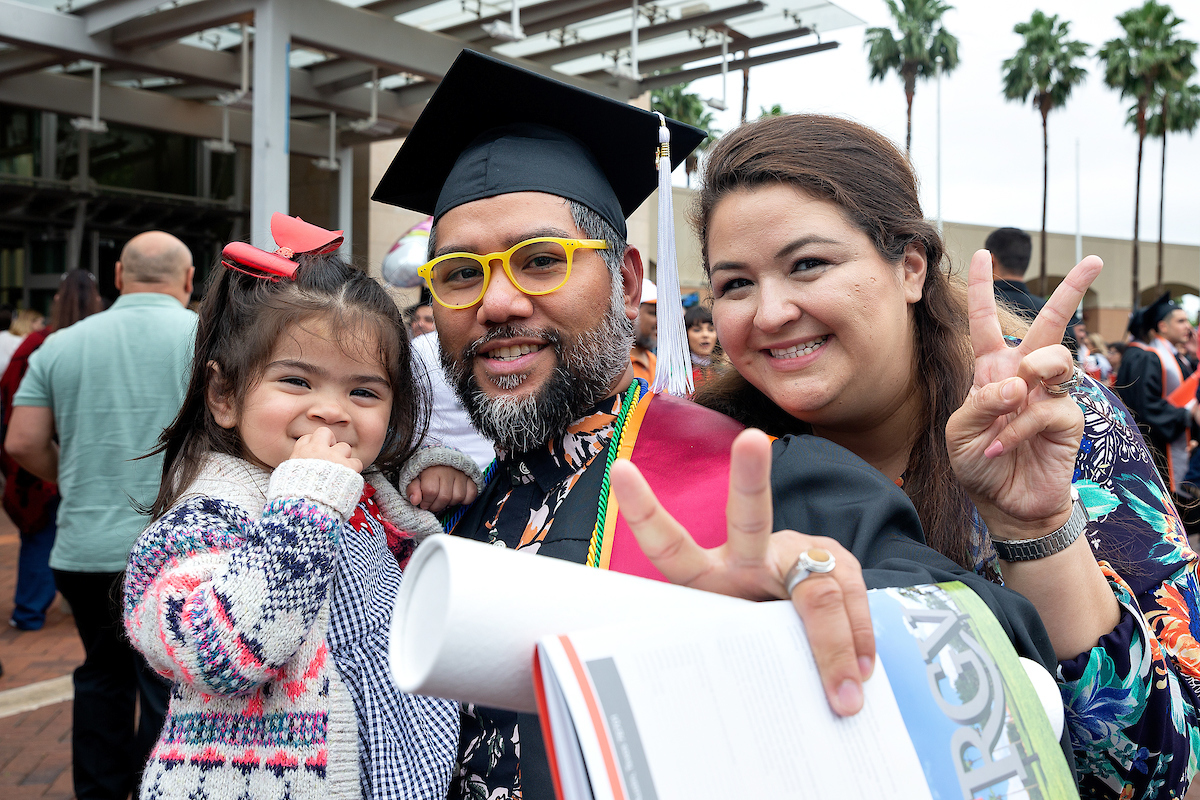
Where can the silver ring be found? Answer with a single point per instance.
(1064, 388)
(806, 565)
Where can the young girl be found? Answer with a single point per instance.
(264, 587)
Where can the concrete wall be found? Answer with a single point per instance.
(1106, 307)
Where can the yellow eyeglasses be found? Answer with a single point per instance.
(535, 266)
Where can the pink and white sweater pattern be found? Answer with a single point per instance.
(228, 596)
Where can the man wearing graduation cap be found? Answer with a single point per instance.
(530, 182)
(1151, 383)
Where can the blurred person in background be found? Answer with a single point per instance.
(646, 334)
(420, 316)
(1115, 351)
(702, 341)
(94, 400)
(1097, 364)
(1187, 351)
(1010, 249)
(24, 322)
(31, 502)
(1150, 371)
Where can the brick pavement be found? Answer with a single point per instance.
(35, 746)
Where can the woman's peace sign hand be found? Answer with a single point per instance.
(1013, 443)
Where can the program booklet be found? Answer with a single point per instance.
(728, 704)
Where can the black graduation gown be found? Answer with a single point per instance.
(1140, 387)
(1018, 296)
(818, 488)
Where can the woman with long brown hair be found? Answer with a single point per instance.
(834, 302)
(31, 503)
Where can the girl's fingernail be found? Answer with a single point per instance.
(849, 698)
(994, 449)
(865, 665)
(1009, 390)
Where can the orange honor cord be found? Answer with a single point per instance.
(632, 426)
(589, 697)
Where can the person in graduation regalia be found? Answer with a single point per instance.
(1151, 371)
(530, 182)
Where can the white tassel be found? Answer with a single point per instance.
(673, 370)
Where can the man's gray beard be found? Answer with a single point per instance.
(584, 371)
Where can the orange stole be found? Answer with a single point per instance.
(1186, 392)
(682, 449)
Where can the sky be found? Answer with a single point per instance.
(991, 160)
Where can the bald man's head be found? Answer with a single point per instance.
(155, 261)
(155, 257)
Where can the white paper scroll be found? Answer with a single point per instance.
(468, 616)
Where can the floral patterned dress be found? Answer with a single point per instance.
(1131, 701)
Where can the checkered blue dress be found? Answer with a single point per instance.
(406, 742)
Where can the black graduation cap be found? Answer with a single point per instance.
(1137, 323)
(1157, 311)
(492, 128)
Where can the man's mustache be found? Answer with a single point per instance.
(548, 335)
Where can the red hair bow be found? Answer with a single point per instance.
(294, 236)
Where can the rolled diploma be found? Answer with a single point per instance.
(468, 616)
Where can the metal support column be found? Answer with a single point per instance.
(269, 178)
(83, 182)
(345, 217)
(49, 144)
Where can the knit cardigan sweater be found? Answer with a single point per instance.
(228, 596)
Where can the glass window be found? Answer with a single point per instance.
(12, 269)
(19, 136)
(48, 257)
(135, 158)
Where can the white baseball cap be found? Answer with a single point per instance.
(649, 291)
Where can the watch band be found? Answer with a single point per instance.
(1051, 543)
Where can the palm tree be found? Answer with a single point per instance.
(922, 44)
(1180, 107)
(1138, 65)
(1044, 66)
(679, 104)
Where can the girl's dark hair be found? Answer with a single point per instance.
(696, 315)
(241, 319)
(873, 185)
(77, 297)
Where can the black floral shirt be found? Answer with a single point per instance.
(543, 501)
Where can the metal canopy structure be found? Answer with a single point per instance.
(316, 77)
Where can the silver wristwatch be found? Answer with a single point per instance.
(1051, 543)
